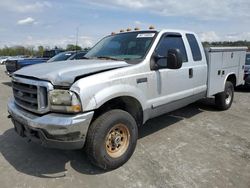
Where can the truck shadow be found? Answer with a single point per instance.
(7, 84)
(243, 89)
(162, 122)
(30, 159)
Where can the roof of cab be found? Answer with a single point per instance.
(154, 30)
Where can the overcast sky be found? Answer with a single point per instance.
(50, 23)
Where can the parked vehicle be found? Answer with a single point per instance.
(13, 65)
(127, 79)
(3, 59)
(68, 55)
(247, 70)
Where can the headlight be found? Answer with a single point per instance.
(64, 101)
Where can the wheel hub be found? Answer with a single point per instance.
(117, 140)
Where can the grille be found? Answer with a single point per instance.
(25, 95)
(31, 95)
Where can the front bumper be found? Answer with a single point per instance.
(62, 131)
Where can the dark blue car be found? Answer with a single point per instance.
(14, 65)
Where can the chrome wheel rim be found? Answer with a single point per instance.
(228, 97)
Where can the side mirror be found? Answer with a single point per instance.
(172, 61)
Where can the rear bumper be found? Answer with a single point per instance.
(247, 80)
(52, 130)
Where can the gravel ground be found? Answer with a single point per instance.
(195, 146)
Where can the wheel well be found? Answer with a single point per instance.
(126, 103)
(232, 78)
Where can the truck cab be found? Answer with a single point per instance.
(124, 80)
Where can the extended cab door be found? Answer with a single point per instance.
(173, 88)
(198, 61)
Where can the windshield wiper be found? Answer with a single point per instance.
(107, 57)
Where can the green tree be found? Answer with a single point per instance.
(72, 47)
(40, 51)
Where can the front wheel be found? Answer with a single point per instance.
(111, 139)
(224, 100)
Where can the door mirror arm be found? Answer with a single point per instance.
(154, 65)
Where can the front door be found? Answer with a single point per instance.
(173, 87)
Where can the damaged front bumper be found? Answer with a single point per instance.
(62, 131)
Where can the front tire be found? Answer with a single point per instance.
(224, 100)
(111, 139)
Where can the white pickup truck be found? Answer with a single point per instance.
(124, 80)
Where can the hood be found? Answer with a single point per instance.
(63, 73)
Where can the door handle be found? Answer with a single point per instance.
(191, 73)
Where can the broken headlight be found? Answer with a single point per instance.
(64, 101)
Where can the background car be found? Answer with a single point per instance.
(69, 55)
(247, 70)
(15, 64)
(3, 59)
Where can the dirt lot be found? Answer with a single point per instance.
(196, 146)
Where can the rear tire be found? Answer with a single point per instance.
(111, 139)
(224, 100)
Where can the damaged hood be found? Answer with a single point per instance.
(63, 73)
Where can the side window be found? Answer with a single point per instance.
(196, 52)
(171, 42)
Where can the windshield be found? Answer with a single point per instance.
(248, 59)
(124, 46)
(61, 57)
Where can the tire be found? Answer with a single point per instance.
(224, 100)
(104, 136)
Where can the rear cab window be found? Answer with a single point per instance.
(195, 49)
(248, 59)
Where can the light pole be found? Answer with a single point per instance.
(77, 31)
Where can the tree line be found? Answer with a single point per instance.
(34, 51)
(38, 52)
(227, 43)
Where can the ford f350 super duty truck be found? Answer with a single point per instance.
(125, 79)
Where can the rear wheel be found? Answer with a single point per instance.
(224, 100)
(111, 139)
